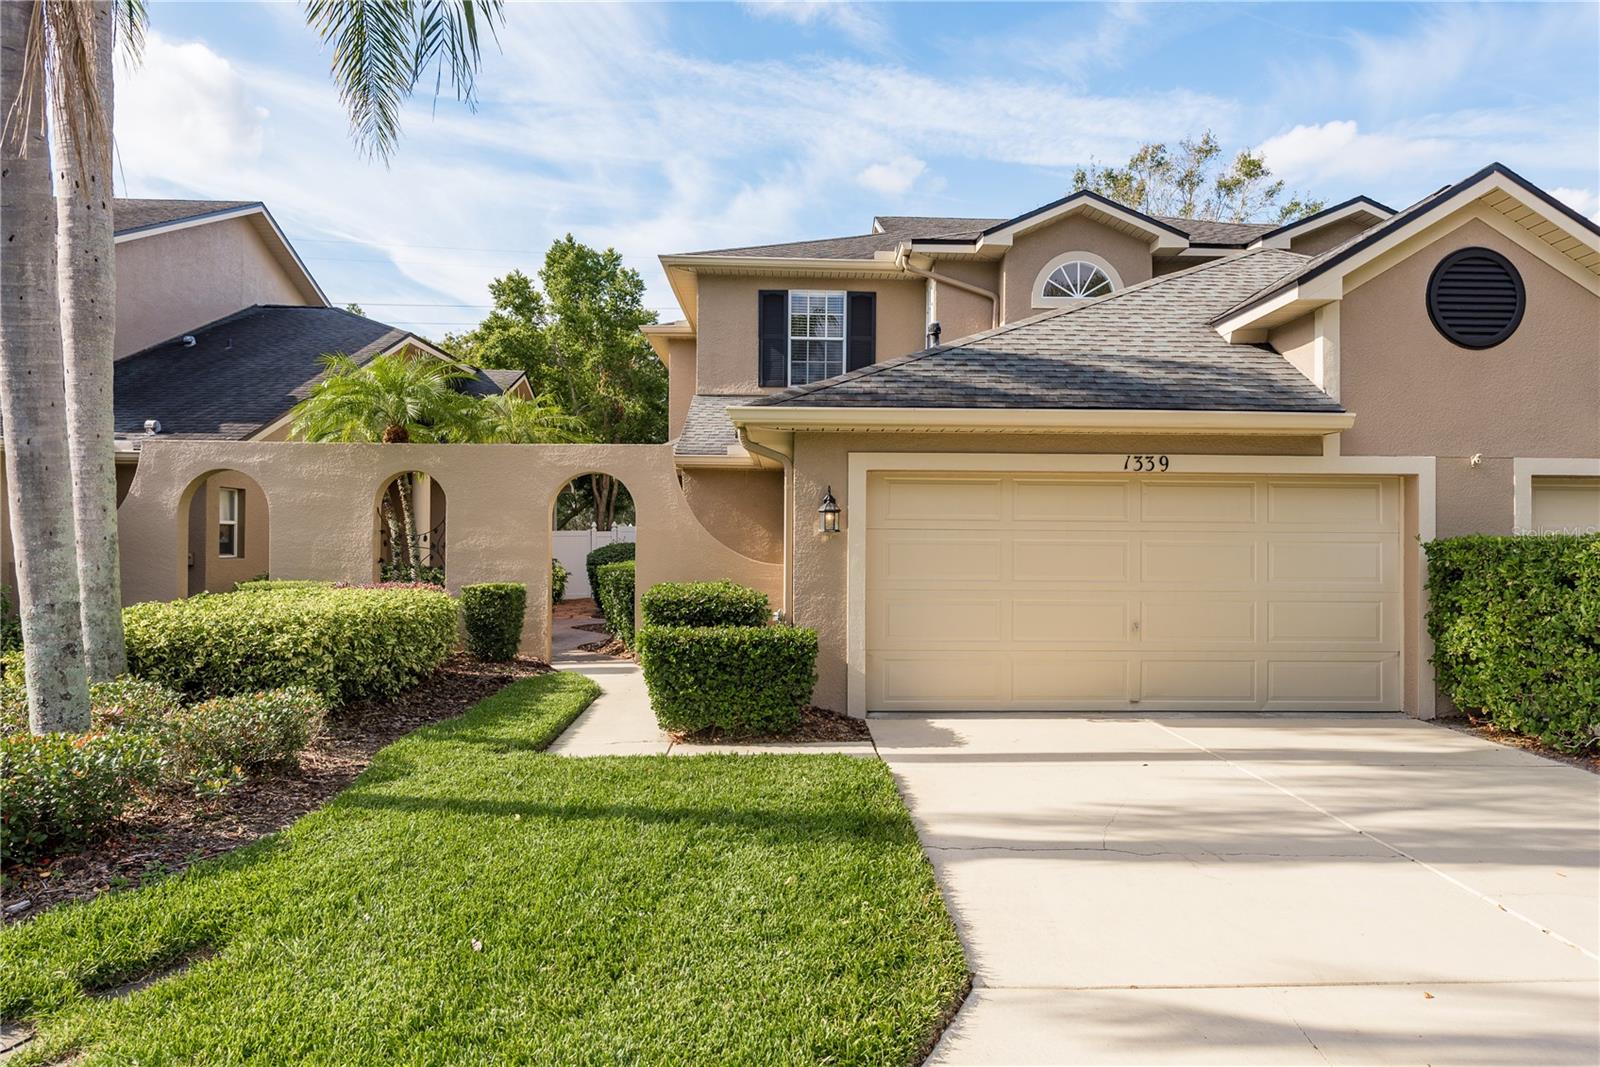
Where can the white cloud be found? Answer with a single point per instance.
(185, 110)
(1339, 149)
(894, 177)
(858, 22)
(1584, 201)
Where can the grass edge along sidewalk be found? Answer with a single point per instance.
(469, 899)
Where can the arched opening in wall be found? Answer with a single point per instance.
(223, 532)
(592, 515)
(410, 530)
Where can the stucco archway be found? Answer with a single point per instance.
(223, 521)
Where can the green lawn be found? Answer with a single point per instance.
(642, 909)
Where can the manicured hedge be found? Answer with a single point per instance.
(258, 585)
(744, 679)
(61, 791)
(703, 604)
(212, 745)
(558, 581)
(493, 615)
(1516, 628)
(614, 594)
(345, 643)
(615, 552)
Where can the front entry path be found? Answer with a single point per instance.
(1266, 889)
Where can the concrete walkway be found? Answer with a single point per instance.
(1258, 890)
(620, 721)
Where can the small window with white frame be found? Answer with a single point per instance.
(1074, 277)
(816, 335)
(230, 511)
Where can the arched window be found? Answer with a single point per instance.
(1074, 276)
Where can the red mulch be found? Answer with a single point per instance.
(579, 608)
(1489, 732)
(817, 726)
(166, 832)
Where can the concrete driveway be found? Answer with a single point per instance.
(1258, 889)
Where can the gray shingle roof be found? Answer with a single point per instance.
(707, 430)
(244, 372)
(859, 247)
(491, 381)
(1209, 232)
(130, 214)
(1145, 347)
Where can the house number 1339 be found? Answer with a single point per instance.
(1144, 463)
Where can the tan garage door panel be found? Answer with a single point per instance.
(1566, 505)
(1168, 592)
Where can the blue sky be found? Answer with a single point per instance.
(659, 128)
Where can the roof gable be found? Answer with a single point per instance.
(135, 219)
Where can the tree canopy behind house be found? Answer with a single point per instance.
(1191, 181)
(575, 333)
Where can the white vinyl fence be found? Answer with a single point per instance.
(571, 547)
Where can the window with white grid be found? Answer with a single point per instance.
(228, 501)
(816, 336)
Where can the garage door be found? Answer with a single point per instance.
(1167, 592)
(1566, 505)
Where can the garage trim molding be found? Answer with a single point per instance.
(1525, 469)
(1420, 469)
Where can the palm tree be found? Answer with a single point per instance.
(511, 420)
(33, 389)
(56, 414)
(399, 398)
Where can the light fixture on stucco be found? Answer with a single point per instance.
(828, 513)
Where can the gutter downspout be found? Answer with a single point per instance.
(787, 462)
(901, 261)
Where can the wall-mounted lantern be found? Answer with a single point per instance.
(828, 513)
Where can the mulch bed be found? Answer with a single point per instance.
(817, 726)
(577, 608)
(166, 832)
(1489, 732)
(608, 646)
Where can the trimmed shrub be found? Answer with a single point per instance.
(261, 584)
(347, 644)
(615, 552)
(614, 594)
(493, 615)
(10, 623)
(61, 791)
(122, 703)
(210, 746)
(1516, 628)
(558, 581)
(744, 679)
(703, 604)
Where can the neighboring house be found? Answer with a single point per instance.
(1093, 459)
(221, 330)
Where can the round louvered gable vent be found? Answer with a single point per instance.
(1476, 298)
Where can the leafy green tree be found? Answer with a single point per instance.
(576, 336)
(1190, 182)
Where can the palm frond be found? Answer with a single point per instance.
(382, 47)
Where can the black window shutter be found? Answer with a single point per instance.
(773, 329)
(861, 317)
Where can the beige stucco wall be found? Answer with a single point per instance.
(1296, 342)
(1030, 252)
(1415, 393)
(823, 459)
(741, 508)
(727, 351)
(680, 382)
(209, 570)
(958, 312)
(322, 499)
(172, 282)
(1320, 240)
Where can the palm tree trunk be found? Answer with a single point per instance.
(391, 522)
(408, 516)
(88, 327)
(33, 394)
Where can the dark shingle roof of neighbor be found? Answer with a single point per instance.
(1148, 347)
(129, 214)
(897, 228)
(244, 372)
(247, 370)
(707, 430)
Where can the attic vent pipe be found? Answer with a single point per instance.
(188, 340)
(152, 426)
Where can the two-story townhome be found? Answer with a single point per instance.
(1087, 458)
(220, 331)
